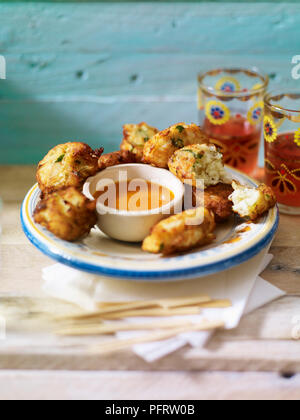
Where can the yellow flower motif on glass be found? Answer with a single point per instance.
(270, 130)
(217, 112)
(255, 113)
(228, 85)
(297, 137)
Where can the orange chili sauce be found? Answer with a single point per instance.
(130, 196)
(233, 240)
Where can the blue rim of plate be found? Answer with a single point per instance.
(155, 275)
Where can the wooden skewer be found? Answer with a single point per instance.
(152, 312)
(167, 302)
(163, 303)
(155, 312)
(222, 303)
(115, 345)
(95, 329)
(184, 301)
(107, 310)
(218, 303)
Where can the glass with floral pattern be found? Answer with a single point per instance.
(282, 148)
(230, 103)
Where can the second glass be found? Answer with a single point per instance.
(282, 148)
(230, 103)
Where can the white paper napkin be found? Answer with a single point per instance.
(242, 285)
(262, 294)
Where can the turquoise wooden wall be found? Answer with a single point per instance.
(80, 71)
(148, 1)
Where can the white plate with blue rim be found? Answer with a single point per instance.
(236, 243)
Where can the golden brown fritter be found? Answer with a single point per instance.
(215, 199)
(182, 232)
(135, 136)
(163, 145)
(67, 213)
(67, 165)
(251, 202)
(116, 158)
(199, 162)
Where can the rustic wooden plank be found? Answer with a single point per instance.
(122, 69)
(145, 1)
(15, 182)
(287, 280)
(271, 322)
(288, 234)
(21, 268)
(114, 77)
(236, 355)
(235, 28)
(24, 385)
(284, 270)
(256, 355)
(11, 225)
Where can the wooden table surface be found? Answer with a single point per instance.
(257, 360)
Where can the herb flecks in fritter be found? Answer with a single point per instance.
(163, 145)
(135, 136)
(67, 165)
(199, 162)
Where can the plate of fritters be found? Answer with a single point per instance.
(240, 215)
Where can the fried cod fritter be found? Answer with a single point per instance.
(67, 165)
(252, 202)
(199, 162)
(115, 158)
(135, 136)
(181, 232)
(163, 145)
(215, 199)
(67, 213)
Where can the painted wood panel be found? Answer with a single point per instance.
(81, 71)
(144, 75)
(149, 1)
(36, 385)
(123, 28)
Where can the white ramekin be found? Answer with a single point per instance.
(134, 226)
